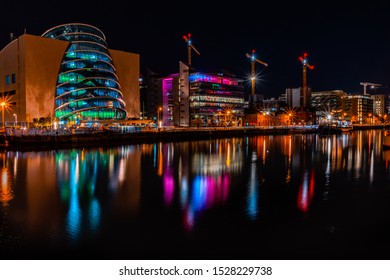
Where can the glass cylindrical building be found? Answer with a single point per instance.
(87, 85)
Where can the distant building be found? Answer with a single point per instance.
(380, 103)
(255, 103)
(296, 98)
(273, 104)
(293, 97)
(358, 107)
(169, 89)
(182, 98)
(70, 74)
(328, 102)
(151, 98)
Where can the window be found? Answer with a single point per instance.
(13, 79)
(8, 80)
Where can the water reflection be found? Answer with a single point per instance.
(83, 176)
(306, 190)
(253, 190)
(201, 173)
(6, 193)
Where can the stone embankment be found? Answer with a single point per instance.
(22, 140)
(50, 139)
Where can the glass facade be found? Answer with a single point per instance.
(215, 99)
(87, 85)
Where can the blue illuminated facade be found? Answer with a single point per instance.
(87, 85)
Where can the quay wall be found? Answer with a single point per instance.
(102, 138)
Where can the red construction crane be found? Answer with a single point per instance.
(253, 74)
(190, 47)
(305, 65)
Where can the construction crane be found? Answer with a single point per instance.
(365, 84)
(190, 47)
(305, 65)
(253, 74)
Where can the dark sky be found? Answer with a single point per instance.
(348, 43)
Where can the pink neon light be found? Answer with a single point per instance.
(167, 86)
(213, 79)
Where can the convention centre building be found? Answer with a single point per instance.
(68, 74)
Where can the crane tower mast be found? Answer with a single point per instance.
(190, 48)
(253, 72)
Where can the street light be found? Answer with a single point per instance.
(3, 104)
(16, 119)
(159, 116)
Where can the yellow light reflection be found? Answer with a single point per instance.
(6, 193)
(160, 158)
(228, 155)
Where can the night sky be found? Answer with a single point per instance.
(347, 43)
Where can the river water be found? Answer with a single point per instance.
(261, 197)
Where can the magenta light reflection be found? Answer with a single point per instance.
(306, 191)
(207, 191)
(169, 186)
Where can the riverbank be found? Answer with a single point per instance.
(24, 140)
(53, 139)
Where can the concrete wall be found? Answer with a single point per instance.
(35, 61)
(8, 66)
(41, 62)
(128, 70)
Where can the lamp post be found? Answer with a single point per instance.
(159, 116)
(2, 104)
(268, 119)
(16, 119)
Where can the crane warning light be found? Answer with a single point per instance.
(305, 62)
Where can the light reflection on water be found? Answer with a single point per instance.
(73, 195)
(253, 190)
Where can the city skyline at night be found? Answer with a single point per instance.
(130, 134)
(347, 43)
